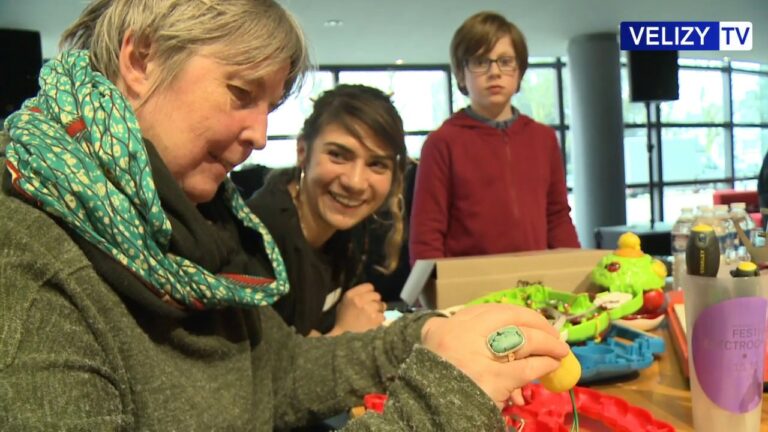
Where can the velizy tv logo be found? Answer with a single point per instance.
(684, 36)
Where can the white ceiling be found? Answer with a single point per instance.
(418, 31)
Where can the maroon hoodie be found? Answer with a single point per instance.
(482, 190)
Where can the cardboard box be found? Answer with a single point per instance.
(447, 282)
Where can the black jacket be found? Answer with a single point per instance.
(313, 274)
(762, 188)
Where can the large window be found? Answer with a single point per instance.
(750, 97)
(692, 196)
(750, 115)
(635, 156)
(419, 96)
(286, 121)
(749, 146)
(693, 154)
(701, 98)
(713, 137)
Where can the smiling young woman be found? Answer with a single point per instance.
(351, 158)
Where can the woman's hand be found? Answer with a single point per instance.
(462, 341)
(359, 310)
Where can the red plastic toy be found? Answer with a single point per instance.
(545, 411)
(375, 402)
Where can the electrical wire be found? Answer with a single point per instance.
(575, 424)
(558, 324)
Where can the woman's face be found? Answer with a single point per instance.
(208, 120)
(345, 180)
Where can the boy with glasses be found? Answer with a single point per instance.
(490, 179)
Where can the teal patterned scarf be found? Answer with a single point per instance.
(76, 151)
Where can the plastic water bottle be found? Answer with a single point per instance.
(680, 232)
(704, 215)
(757, 236)
(726, 232)
(739, 215)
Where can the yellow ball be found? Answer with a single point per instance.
(564, 377)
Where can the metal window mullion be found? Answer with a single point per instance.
(561, 112)
(730, 147)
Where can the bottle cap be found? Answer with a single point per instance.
(702, 228)
(747, 266)
(745, 269)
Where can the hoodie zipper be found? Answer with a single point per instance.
(508, 174)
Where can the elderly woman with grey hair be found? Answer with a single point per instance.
(135, 284)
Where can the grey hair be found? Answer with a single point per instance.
(245, 33)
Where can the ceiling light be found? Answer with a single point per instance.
(333, 23)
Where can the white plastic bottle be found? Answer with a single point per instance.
(704, 215)
(739, 215)
(680, 232)
(726, 232)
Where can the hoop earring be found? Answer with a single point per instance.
(301, 180)
(400, 202)
(380, 220)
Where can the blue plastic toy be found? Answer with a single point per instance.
(612, 358)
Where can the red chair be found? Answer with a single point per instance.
(749, 197)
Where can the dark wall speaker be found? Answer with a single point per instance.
(21, 57)
(653, 75)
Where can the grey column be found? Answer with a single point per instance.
(598, 134)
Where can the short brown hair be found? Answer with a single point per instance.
(477, 36)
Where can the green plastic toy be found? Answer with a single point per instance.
(626, 273)
(584, 319)
(628, 269)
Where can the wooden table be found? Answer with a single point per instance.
(663, 390)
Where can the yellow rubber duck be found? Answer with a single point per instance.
(629, 246)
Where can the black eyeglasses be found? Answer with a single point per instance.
(483, 64)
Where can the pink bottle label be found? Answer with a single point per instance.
(728, 349)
